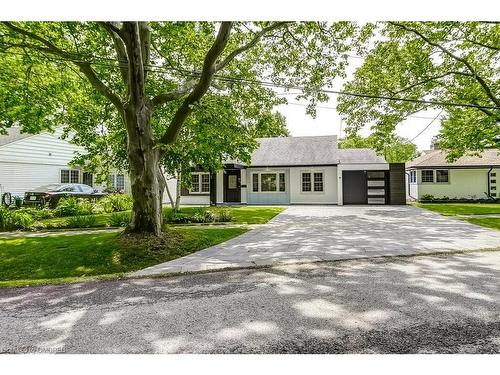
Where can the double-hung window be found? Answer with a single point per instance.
(200, 182)
(442, 175)
(427, 175)
(70, 176)
(268, 182)
(312, 182)
(413, 177)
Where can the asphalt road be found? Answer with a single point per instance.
(444, 304)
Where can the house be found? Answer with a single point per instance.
(469, 177)
(301, 170)
(31, 160)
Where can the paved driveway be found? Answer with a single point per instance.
(316, 233)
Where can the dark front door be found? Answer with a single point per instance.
(232, 186)
(354, 187)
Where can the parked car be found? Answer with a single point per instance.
(51, 194)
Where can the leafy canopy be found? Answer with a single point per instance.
(454, 66)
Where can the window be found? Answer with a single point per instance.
(255, 182)
(195, 183)
(493, 174)
(493, 188)
(70, 176)
(75, 176)
(306, 182)
(427, 176)
(282, 181)
(200, 182)
(112, 180)
(442, 175)
(318, 181)
(120, 182)
(87, 179)
(413, 177)
(268, 182)
(493, 181)
(205, 183)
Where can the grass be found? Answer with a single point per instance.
(241, 215)
(69, 258)
(488, 222)
(452, 209)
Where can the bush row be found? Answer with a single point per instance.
(429, 198)
(73, 206)
(13, 220)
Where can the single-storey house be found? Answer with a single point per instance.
(301, 170)
(469, 177)
(31, 160)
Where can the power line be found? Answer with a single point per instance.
(276, 85)
(427, 126)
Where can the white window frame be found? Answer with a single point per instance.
(259, 181)
(442, 182)
(422, 177)
(200, 183)
(311, 173)
(69, 175)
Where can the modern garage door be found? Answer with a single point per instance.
(364, 187)
(354, 187)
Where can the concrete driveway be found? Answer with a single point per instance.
(319, 233)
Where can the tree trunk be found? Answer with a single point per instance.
(144, 169)
(178, 192)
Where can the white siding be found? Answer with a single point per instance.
(329, 194)
(185, 199)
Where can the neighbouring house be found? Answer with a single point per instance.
(469, 177)
(301, 170)
(31, 160)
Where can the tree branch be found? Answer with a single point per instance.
(478, 78)
(136, 77)
(114, 31)
(207, 73)
(433, 78)
(84, 67)
(250, 44)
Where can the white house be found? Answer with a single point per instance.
(469, 177)
(301, 170)
(28, 161)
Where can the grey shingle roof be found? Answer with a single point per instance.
(13, 134)
(315, 150)
(437, 158)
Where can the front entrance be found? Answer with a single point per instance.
(354, 187)
(232, 185)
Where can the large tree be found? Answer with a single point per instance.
(416, 66)
(80, 74)
(393, 148)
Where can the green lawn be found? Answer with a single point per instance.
(241, 215)
(451, 209)
(65, 258)
(488, 222)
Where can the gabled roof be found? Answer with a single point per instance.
(281, 151)
(305, 151)
(13, 134)
(437, 158)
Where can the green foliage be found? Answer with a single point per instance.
(447, 62)
(72, 206)
(199, 216)
(13, 220)
(119, 219)
(86, 221)
(224, 215)
(38, 213)
(116, 202)
(394, 149)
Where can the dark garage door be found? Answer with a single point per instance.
(354, 187)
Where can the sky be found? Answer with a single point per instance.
(328, 122)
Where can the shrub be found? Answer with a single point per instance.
(427, 197)
(37, 213)
(86, 221)
(116, 202)
(12, 220)
(176, 217)
(224, 215)
(119, 219)
(72, 206)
